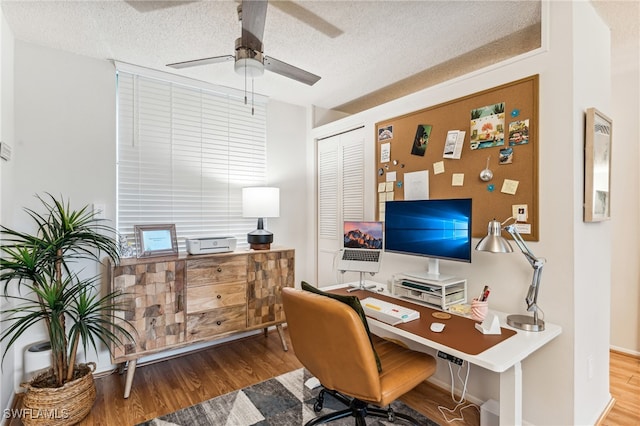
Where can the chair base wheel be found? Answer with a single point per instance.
(358, 409)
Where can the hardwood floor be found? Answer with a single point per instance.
(624, 376)
(168, 385)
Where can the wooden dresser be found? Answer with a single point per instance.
(178, 301)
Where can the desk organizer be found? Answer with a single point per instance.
(439, 294)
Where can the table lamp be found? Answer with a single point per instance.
(260, 202)
(495, 243)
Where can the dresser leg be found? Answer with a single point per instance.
(282, 339)
(131, 369)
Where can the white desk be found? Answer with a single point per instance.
(504, 358)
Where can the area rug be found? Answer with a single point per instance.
(281, 401)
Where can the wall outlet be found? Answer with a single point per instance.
(99, 210)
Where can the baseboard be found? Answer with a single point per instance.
(606, 411)
(624, 351)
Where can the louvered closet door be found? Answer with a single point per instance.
(340, 196)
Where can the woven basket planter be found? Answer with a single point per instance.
(66, 405)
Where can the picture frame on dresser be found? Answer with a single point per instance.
(156, 240)
(597, 166)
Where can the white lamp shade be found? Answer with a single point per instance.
(261, 201)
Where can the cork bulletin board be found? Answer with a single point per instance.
(482, 146)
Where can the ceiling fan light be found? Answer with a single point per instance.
(250, 67)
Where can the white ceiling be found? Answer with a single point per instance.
(359, 48)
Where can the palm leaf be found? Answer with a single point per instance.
(39, 271)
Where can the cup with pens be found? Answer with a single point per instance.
(480, 305)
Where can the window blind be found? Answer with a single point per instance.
(184, 154)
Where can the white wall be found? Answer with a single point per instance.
(64, 141)
(286, 169)
(625, 202)
(6, 174)
(592, 241)
(552, 375)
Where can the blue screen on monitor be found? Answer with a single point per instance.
(439, 228)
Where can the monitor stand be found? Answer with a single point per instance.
(361, 285)
(431, 274)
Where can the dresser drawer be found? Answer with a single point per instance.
(225, 269)
(218, 321)
(213, 296)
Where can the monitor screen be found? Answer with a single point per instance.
(439, 229)
(360, 234)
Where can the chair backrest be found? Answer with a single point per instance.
(330, 340)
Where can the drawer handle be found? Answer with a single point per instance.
(219, 296)
(219, 322)
(219, 269)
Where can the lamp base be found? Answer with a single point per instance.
(525, 322)
(260, 246)
(260, 239)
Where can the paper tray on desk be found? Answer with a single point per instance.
(388, 312)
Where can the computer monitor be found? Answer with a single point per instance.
(436, 229)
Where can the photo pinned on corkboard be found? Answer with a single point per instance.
(421, 140)
(385, 133)
(519, 132)
(506, 156)
(487, 126)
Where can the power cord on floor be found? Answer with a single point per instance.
(460, 404)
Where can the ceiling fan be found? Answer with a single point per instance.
(249, 58)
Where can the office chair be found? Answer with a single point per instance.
(330, 340)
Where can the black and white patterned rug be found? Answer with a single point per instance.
(281, 401)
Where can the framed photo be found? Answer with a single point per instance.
(156, 240)
(597, 166)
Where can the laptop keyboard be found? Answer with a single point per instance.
(361, 255)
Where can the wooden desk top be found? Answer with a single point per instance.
(459, 332)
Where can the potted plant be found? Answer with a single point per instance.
(42, 275)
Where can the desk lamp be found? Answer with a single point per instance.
(495, 243)
(260, 202)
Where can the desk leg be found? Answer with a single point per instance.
(511, 396)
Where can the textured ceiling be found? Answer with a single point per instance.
(366, 52)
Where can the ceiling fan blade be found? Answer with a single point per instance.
(203, 61)
(152, 6)
(290, 71)
(306, 16)
(254, 13)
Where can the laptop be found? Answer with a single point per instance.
(362, 247)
